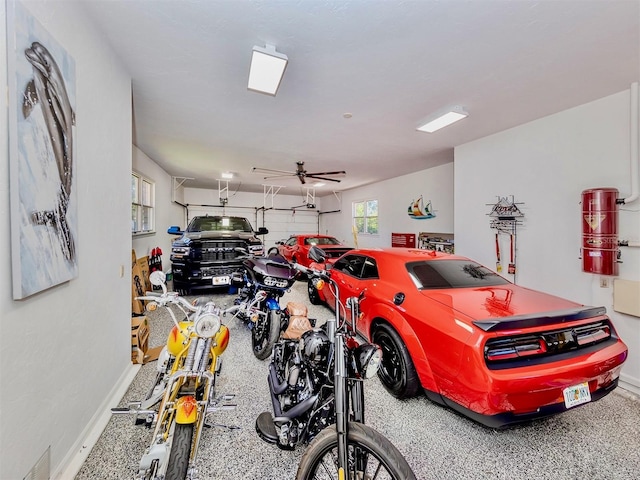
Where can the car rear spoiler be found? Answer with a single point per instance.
(539, 319)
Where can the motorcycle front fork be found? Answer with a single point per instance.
(343, 404)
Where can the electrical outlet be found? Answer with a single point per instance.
(604, 282)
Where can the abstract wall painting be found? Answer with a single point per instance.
(43, 191)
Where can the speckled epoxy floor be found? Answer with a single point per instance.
(596, 441)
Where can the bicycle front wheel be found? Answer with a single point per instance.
(370, 456)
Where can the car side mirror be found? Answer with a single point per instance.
(262, 231)
(317, 254)
(174, 230)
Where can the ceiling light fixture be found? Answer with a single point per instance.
(319, 184)
(267, 69)
(442, 119)
(227, 175)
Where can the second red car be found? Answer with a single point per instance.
(296, 248)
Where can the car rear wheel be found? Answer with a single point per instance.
(397, 372)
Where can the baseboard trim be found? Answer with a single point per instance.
(629, 384)
(75, 458)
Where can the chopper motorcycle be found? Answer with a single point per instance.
(316, 385)
(184, 387)
(260, 287)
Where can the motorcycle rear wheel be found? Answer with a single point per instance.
(180, 452)
(265, 334)
(369, 453)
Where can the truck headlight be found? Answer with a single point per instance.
(180, 252)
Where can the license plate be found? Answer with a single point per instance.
(576, 395)
(225, 280)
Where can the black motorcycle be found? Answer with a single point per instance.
(260, 286)
(318, 398)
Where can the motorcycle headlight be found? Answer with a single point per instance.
(368, 358)
(275, 282)
(207, 325)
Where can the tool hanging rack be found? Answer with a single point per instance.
(505, 217)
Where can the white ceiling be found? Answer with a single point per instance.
(388, 63)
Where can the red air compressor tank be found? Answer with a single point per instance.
(600, 231)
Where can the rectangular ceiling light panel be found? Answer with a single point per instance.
(267, 69)
(443, 120)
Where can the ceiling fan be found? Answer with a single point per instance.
(300, 172)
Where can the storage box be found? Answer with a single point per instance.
(137, 285)
(139, 338)
(143, 263)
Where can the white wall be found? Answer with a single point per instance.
(63, 350)
(167, 212)
(546, 164)
(394, 196)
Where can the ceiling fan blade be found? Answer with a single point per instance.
(341, 172)
(270, 170)
(323, 178)
(280, 176)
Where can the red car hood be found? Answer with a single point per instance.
(510, 305)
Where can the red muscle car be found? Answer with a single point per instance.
(296, 248)
(473, 341)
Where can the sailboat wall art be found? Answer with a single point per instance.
(419, 211)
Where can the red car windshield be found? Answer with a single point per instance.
(321, 241)
(452, 274)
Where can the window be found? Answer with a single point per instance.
(365, 216)
(321, 241)
(142, 204)
(357, 266)
(453, 274)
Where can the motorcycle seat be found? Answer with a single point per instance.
(297, 326)
(296, 309)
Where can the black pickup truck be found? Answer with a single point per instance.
(205, 255)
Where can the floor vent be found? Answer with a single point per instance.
(42, 469)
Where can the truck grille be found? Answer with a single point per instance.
(218, 250)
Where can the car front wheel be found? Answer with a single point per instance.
(397, 372)
(314, 295)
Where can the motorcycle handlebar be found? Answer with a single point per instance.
(168, 298)
(312, 271)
